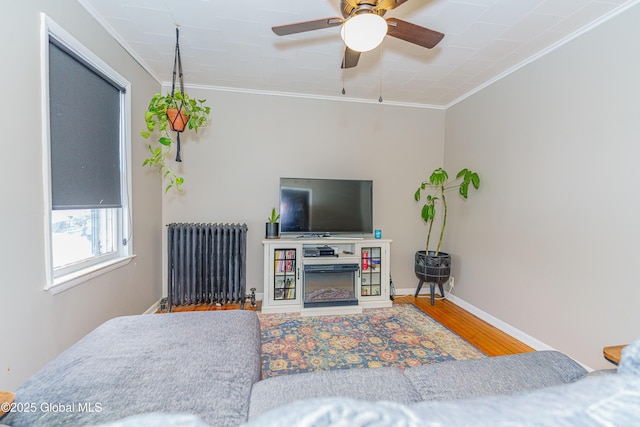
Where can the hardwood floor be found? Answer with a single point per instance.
(209, 307)
(487, 338)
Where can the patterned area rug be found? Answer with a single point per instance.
(400, 336)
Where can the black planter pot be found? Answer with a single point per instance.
(433, 269)
(272, 230)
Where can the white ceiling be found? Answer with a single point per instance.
(229, 44)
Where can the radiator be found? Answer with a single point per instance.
(207, 264)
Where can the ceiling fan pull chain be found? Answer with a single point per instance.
(380, 77)
(343, 91)
(343, 67)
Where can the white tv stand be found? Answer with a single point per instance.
(355, 277)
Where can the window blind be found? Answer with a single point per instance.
(84, 133)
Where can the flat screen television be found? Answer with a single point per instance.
(312, 206)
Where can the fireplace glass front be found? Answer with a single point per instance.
(330, 285)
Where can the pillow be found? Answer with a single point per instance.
(630, 362)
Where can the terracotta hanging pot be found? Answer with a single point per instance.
(177, 119)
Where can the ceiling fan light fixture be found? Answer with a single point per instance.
(364, 31)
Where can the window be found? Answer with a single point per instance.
(86, 151)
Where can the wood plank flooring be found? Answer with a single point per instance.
(487, 338)
(209, 307)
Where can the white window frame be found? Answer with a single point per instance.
(97, 266)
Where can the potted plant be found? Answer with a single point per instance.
(177, 112)
(434, 266)
(272, 229)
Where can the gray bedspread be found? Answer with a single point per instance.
(167, 363)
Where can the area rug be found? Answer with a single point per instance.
(400, 336)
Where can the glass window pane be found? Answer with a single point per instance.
(79, 235)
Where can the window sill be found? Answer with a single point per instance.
(68, 281)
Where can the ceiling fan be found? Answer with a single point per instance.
(364, 28)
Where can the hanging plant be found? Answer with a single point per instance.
(176, 112)
(157, 117)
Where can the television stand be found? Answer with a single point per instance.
(314, 235)
(327, 236)
(357, 275)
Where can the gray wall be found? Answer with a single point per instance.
(36, 325)
(232, 172)
(550, 243)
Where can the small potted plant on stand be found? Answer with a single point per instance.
(177, 112)
(272, 229)
(434, 267)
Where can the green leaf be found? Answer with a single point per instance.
(179, 180)
(464, 189)
(416, 196)
(144, 134)
(475, 179)
(165, 141)
(431, 212)
(438, 177)
(425, 213)
(462, 173)
(428, 212)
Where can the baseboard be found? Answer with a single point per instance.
(494, 321)
(503, 326)
(154, 307)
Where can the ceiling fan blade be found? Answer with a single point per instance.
(413, 33)
(350, 59)
(301, 27)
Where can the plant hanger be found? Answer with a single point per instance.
(177, 69)
(175, 111)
